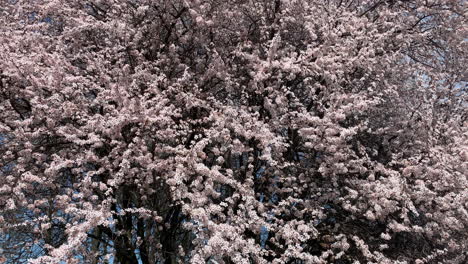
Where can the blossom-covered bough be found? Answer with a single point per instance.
(213, 131)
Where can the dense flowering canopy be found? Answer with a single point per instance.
(233, 131)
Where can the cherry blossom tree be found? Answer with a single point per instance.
(209, 131)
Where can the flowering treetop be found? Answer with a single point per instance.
(273, 131)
